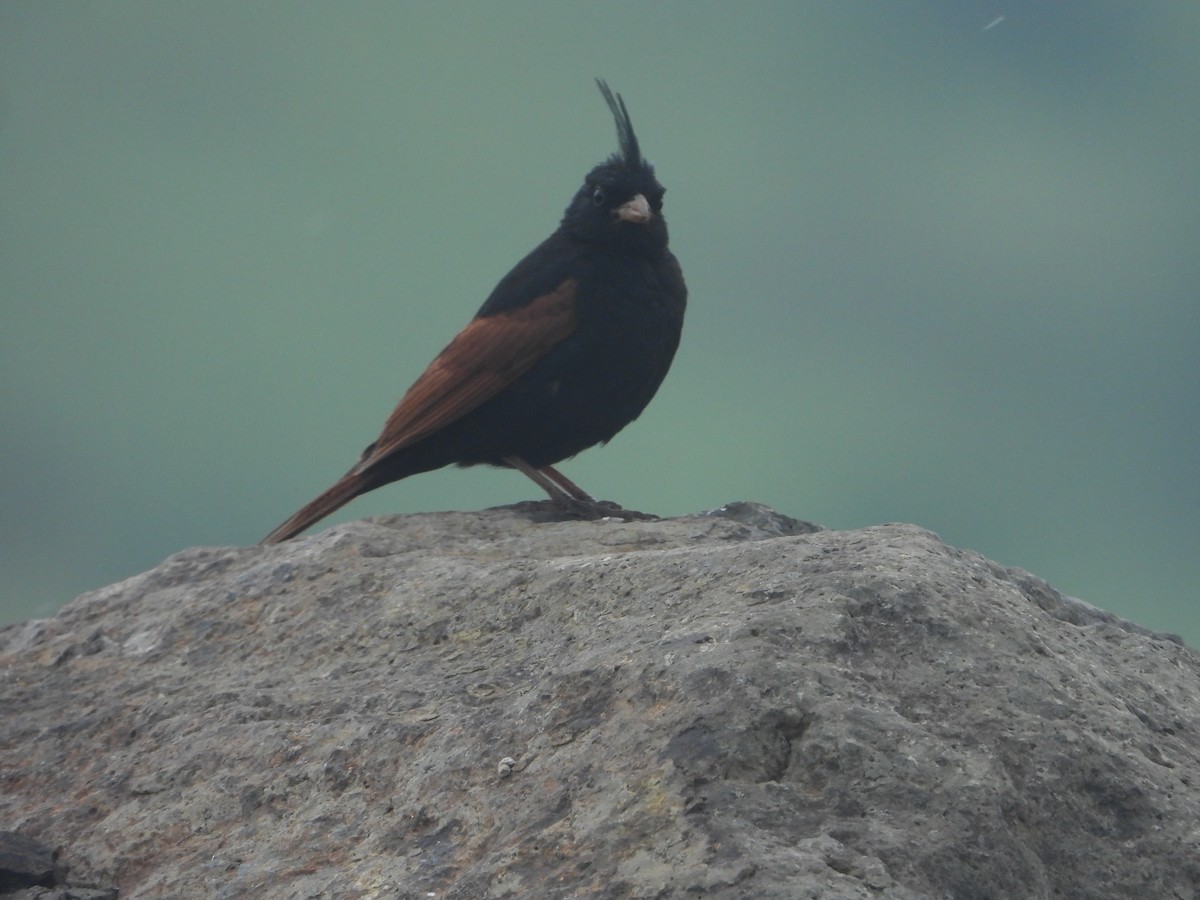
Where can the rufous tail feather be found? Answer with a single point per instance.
(347, 488)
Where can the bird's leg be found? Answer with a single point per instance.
(566, 484)
(570, 498)
(545, 482)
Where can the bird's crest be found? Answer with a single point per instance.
(630, 155)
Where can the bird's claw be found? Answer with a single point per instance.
(567, 509)
(571, 508)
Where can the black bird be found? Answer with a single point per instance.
(568, 349)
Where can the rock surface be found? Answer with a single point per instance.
(24, 863)
(472, 705)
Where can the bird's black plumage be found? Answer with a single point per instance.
(566, 351)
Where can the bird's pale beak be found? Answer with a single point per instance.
(636, 210)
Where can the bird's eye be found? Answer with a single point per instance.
(598, 196)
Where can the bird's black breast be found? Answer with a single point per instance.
(629, 313)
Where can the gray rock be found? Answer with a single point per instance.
(471, 705)
(24, 862)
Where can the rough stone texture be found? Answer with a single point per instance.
(24, 862)
(480, 705)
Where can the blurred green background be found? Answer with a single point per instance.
(944, 261)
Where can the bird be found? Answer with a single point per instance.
(568, 349)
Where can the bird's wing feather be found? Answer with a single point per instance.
(483, 359)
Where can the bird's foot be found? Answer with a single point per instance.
(566, 509)
(600, 509)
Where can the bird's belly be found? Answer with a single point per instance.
(580, 394)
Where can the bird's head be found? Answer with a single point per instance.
(620, 202)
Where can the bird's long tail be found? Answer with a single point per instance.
(347, 488)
